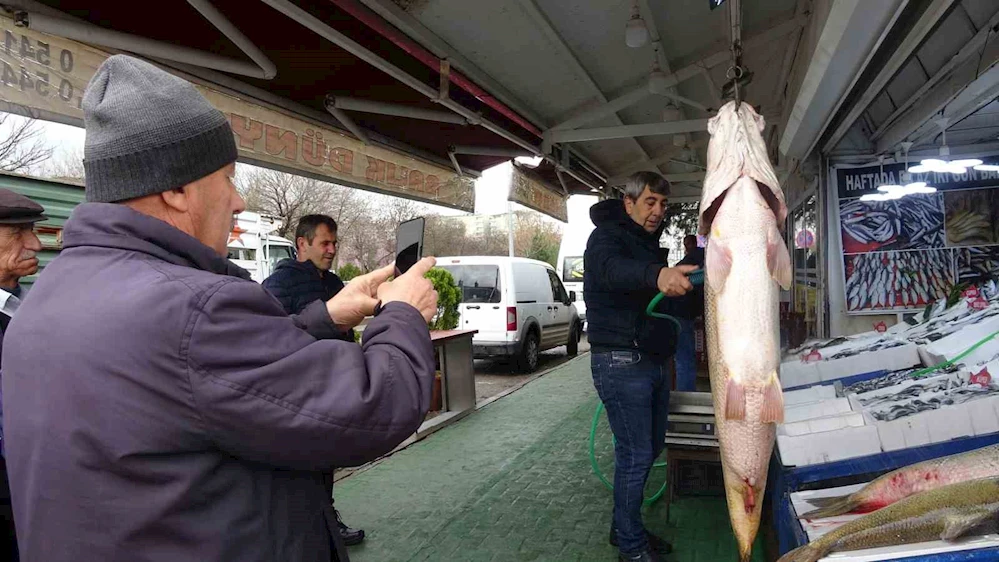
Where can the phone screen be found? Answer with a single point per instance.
(408, 245)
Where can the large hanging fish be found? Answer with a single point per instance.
(743, 210)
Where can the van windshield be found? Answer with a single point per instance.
(478, 283)
(278, 253)
(572, 269)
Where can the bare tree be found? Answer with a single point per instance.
(66, 165)
(22, 146)
(284, 196)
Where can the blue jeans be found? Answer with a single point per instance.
(686, 364)
(635, 391)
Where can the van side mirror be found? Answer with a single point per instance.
(572, 296)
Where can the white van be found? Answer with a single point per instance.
(254, 248)
(570, 267)
(519, 306)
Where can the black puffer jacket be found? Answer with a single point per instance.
(621, 267)
(298, 284)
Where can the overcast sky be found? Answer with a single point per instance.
(491, 189)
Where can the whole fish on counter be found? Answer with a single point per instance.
(945, 513)
(743, 210)
(909, 480)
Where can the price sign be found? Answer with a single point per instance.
(982, 378)
(979, 303)
(881, 327)
(811, 357)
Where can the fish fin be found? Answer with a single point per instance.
(831, 507)
(717, 262)
(735, 400)
(773, 402)
(957, 525)
(778, 259)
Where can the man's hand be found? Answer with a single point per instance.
(673, 281)
(358, 299)
(413, 289)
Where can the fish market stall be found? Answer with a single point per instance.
(859, 406)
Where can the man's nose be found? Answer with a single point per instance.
(31, 241)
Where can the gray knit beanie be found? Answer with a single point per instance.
(148, 131)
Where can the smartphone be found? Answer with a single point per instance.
(408, 244)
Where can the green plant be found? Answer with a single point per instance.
(348, 271)
(448, 298)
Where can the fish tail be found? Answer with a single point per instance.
(807, 553)
(831, 507)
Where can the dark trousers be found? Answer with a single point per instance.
(8, 538)
(336, 541)
(634, 388)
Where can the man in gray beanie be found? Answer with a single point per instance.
(182, 414)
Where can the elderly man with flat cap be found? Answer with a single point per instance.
(19, 247)
(182, 414)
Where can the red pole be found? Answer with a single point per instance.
(390, 32)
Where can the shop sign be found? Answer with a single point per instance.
(44, 76)
(982, 378)
(535, 194)
(854, 182)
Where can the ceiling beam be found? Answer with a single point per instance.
(656, 161)
(966, 82)
(849, 37)
(641, 91)
(927, 22)
(625, 131)
(972, 48)
(546, 27)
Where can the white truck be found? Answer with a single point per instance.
(570, 266)
(254, 248)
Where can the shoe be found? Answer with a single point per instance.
(645, 556)
(350, 536)
(656, 544)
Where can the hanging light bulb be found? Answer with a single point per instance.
(635, 33)
(658, 82)
(944, 163)
(987, 168)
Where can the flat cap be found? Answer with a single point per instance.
(18, 209)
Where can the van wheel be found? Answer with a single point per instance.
(528, 360)
(573, 345)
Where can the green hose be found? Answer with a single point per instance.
(596, 469)
(963, 354)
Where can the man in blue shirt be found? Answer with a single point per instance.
(19, 247)
(297, 283)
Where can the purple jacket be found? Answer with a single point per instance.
(159, 406)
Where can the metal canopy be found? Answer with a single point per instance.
(514, 69)
(941, 61)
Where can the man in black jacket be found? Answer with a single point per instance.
(624, 269)
(299, 283)
(686, 310)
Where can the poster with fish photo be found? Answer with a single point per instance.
(972, 217)
(977, 263)
(897, 280)
(915, 222)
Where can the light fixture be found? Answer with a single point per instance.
(987, 168)
(892, 192)
(635, 33)
(658, 83)
(944, 164)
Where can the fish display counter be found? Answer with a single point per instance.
(982, 547)
(850, 429)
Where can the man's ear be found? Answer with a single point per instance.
(176, 200)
